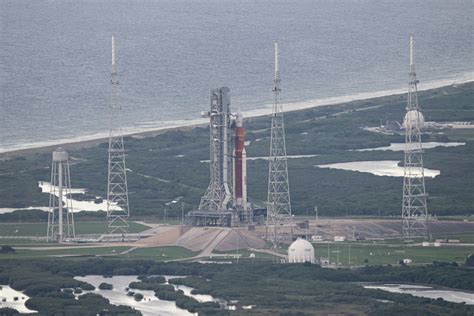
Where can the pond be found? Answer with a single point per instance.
(426, 291)
(401, 146)
(378, 167)
(150, 305)
(14, 299)
(78, 204)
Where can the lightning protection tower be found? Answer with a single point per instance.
(60, 214)
(414, 207)
(278, 202)
(118, 210)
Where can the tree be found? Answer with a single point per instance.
(106, 286)
(470, 260)
(7, 249)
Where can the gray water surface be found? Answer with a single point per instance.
(55, 57)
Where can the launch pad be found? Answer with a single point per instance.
(210, 218)
(225, 200)
(231, 218)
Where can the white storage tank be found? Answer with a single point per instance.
(414, 119)
(301, 251)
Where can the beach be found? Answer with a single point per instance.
(161, 127)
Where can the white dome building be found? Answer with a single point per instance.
(301, 251)
(413, 118)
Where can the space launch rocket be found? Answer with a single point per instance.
(240, 164)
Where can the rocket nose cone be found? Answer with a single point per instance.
(239, 119)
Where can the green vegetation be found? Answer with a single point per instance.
(69, 252)
(167, 292)
(106, 286)
(273, 289)
(159, 175)
(151, 283)
(6, 249)
(380, 254)
(7, 311)
(39, 229)
(138, 297)
(470, 261)
(44, 288)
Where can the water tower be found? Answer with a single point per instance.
(60, 213)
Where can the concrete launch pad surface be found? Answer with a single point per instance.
(367, 228)
(205, 242)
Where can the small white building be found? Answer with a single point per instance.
(339, 238)
(317, 238)
(301, 251)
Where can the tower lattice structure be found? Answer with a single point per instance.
(60, 213)
(414, 207)
(278, 201)
(218, 196)
(118, 210)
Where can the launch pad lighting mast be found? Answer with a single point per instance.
(278, 202)
(118, 210)
(414, 207)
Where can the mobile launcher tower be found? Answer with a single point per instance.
(225, 201)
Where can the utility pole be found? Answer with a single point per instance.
(182, 213)
(329, 259)
(349, 254)
(237, 248)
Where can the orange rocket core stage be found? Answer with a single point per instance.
(239, 148)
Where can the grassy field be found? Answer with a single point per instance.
(160, 253)
(467, 238)
(376, 254)
(96, 251)
(39, 229)
(390, 254)
(157, 253)
(339, 253)
(245, 254)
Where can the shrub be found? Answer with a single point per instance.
(138, 297)
(77, 290)
(106, 286)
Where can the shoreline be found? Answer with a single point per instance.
(98, 138)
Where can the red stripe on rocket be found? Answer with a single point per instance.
(240, 164)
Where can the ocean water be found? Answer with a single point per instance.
(55, 58)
